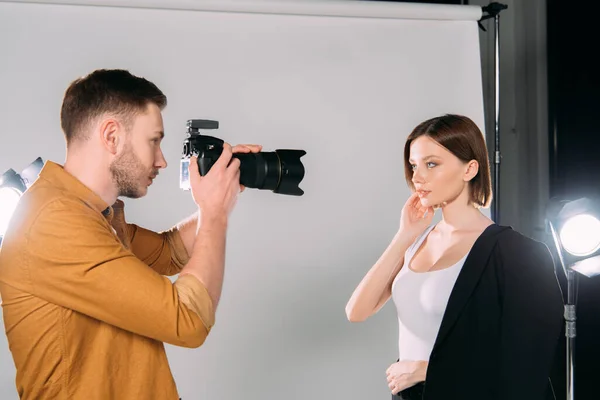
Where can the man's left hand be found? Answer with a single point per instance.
(404, 374)
(246, 148)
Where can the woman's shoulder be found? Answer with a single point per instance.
(512, 237)
(424, 234)
(419, 239)
(512, 244)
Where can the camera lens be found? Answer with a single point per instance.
(280, 171)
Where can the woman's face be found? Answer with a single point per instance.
(438, 175)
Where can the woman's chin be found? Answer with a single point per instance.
(425, 202)
(433, 203)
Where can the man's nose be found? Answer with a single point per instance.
(161, 162)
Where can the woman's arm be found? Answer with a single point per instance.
(375, 289)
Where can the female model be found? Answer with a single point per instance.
(479, 306)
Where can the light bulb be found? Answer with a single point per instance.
(580, 235)
(9, 198)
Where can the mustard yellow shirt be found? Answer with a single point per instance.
(85, 302)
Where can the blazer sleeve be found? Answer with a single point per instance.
(532, 318)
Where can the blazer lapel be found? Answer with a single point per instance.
(467, 278)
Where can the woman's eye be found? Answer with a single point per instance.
(431, 164)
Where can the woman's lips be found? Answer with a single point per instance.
(423, 193)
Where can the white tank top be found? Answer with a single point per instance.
(421, 299)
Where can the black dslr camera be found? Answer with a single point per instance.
(280, 171)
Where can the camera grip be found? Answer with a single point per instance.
(204, 164)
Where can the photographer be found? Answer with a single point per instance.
(85, 301)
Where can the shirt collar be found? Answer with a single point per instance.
(56, 174)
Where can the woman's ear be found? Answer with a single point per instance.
(471, 171)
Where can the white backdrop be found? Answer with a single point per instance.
(344, 80)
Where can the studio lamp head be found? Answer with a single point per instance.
(575, 229)
(12, 187)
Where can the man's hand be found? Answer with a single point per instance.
(246, 148)
(404, 374)
(216, 192)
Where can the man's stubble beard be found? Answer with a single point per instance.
(126, 171)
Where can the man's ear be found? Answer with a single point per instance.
(471, 171)
(110, 134)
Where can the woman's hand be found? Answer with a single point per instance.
(404, 374)
(415, 218)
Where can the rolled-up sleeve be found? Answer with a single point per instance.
(193, 294)
(92, 273)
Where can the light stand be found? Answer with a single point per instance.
(575, 229)
(570, 332)
(570, 317)
(493, 10)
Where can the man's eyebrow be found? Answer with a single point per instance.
(161, 133)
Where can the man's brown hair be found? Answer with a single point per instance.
(105, 91)
(461, 136)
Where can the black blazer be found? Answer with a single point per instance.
(500, 331)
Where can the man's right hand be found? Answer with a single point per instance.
(216, 192)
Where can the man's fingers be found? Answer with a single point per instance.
(234, 167)
(247, 148)
(224, 158)
(234, 174)
(193, 166)
(240, 148)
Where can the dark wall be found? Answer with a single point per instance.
(574, 81)
(574, 108)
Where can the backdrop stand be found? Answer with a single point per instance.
(493, 10)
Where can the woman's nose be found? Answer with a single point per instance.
(417, 176)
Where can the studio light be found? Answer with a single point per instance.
(575, 229)
(12, 186)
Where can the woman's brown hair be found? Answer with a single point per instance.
(461, 136)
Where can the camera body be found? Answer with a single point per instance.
(280, 171)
